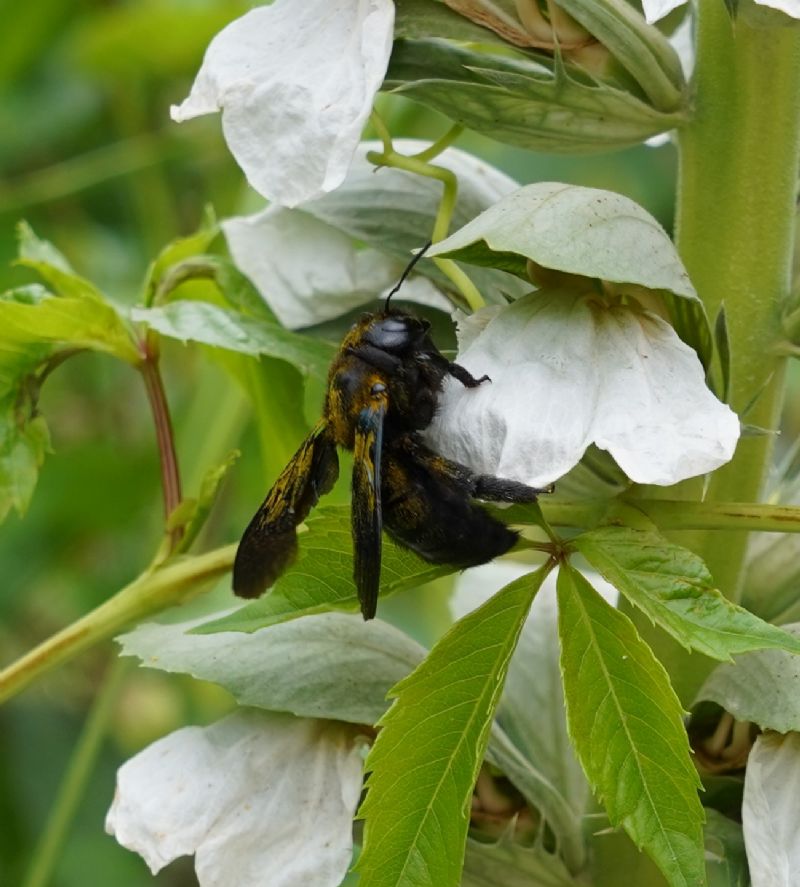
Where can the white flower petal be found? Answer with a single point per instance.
(771, 809)
(306, 264)
(790, 7)
(657, 9)
(655, 414)
(566, 373)
(260, 798)
(295, 83)
(309, 272)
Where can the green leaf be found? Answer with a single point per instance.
(762, 687)
(333, 665)
(626, 724)
(192, 513)
(511, 864)
(673, 587)
(322, 576)
(23, 445)
(565, 823)
(527, 100)
(209, 324)
(531, 710)
(726, 860)
(80, 322)
(53, 268)
(177, 251)
(431, 744)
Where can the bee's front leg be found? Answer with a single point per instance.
(464, 376)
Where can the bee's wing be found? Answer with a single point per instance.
(269, 543)
(367, 520)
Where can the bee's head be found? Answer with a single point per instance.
(396, 331)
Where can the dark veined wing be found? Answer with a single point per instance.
(269, 544)
(366, 514)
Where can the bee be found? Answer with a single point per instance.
(383, 389)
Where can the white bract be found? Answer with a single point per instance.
(569, 369)
(771, 808)
(311, 263)
(657, 9)
(259, 798)
(295, 83)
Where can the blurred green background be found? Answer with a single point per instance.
(89, 157)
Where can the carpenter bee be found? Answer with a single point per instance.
(383, 388)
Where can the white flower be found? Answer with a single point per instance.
(259, 798)
(657, 9)
(311, 264)
(295, 83)
(568, 370)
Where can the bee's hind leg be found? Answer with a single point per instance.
(499, 489)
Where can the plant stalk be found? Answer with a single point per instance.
(154, 590)
(165, 438)
(735, 232)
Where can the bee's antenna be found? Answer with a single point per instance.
(404, 275)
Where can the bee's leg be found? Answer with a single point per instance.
(377, 357)
(480, 486)
(464, 376)
(499, 489)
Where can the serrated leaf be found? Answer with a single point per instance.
(511, 864)
(533, 101)
(52, 267)
(626, 724)
(194, 516)
(77, 321)
(22, 451)
(673, 587)
(431, 744)
(322, 576)
(209, 324)
(333, 665)
(762, 687)
(531, 711)
(558, 815)
(726, 861)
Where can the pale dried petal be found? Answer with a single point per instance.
(771, 809)
(567, 372)
(259, 798)
(295, 83)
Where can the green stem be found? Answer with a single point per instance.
(444, 215)
(671, 514)
(440, 144)
(735, 231)
(73, 785)
(167, 586)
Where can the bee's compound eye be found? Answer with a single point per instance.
(378, 387)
